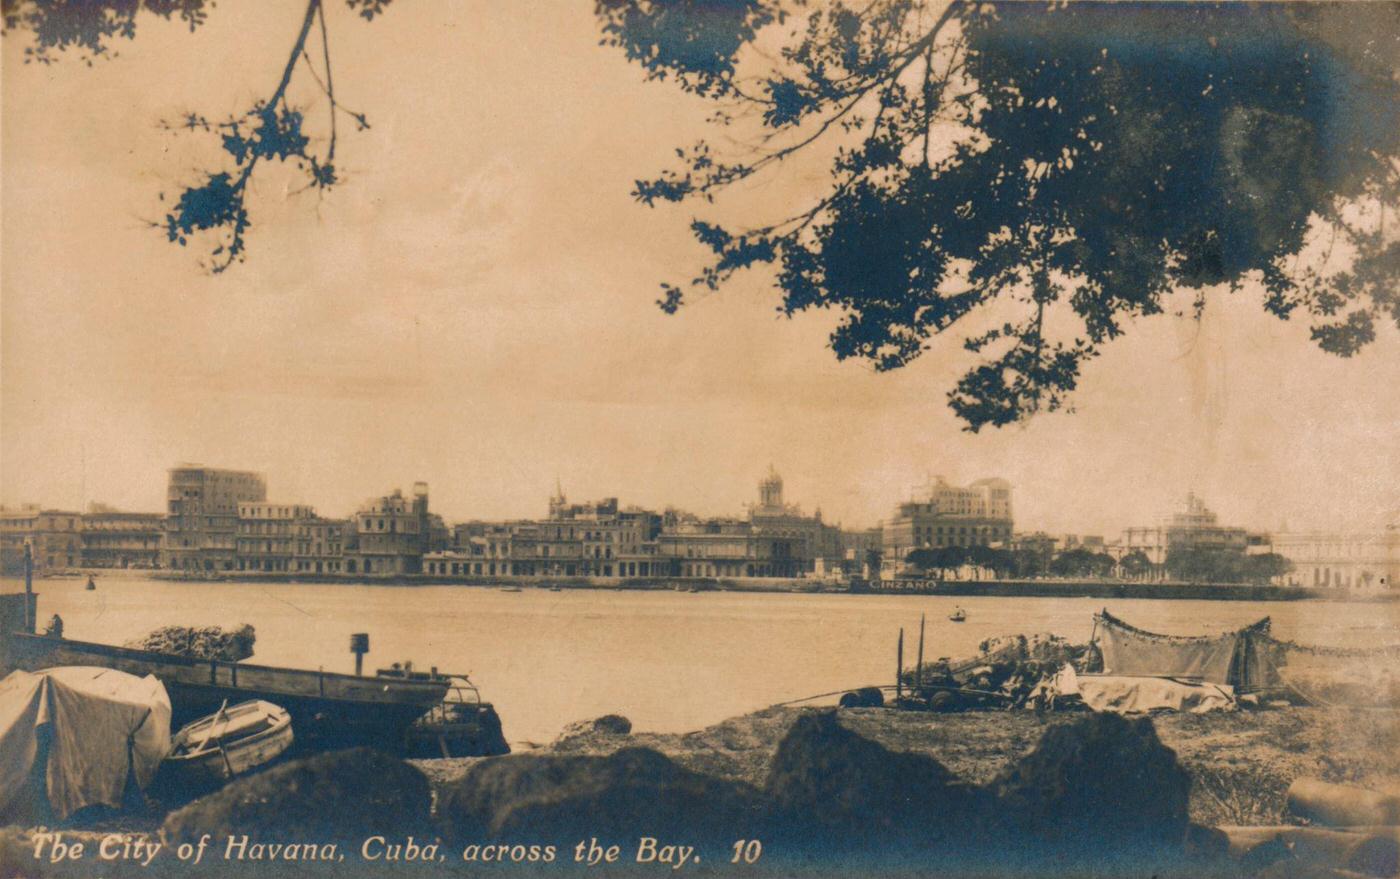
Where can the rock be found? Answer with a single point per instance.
(608, 725)
(865, 697)
(613, 797)
(832, 787)
(340, 796)
(1102, 785)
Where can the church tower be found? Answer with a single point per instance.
(770, 490)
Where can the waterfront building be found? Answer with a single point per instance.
(271, 535)
(54, 535)
(726, 548)
(809, 537)
(320, 545)
(201, 523)
(1358, 562)
(941, 515)
(115, 539)
(392, 534)
(1192, 526)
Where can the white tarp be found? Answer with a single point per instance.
(102, 724)
(1129, 694)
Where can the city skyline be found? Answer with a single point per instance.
(916, 492)
(474, 307)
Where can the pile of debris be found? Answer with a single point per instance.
(207, 642)
(1009, 672)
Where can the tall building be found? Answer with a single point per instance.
(201, 523)
(942, 515)
(807, 537)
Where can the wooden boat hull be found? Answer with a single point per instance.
(232, 758)
(328, 710)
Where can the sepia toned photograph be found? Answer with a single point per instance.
(721, 438)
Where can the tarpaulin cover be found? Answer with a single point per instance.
(1125, 694)
(102, 725)
(1128, 650)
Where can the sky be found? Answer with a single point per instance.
(474, 307)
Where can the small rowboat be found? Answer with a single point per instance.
(231, 741)
(958, 615)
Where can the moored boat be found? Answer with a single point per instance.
(958, 615)
(231, 741)
(329, 710)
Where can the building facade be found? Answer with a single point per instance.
(271, 536)
(1356, 562)
(55, 538)
(115, 539)
(201, 523)
(1192, 526)
(808, 537)
(392, 534)
(942, 515)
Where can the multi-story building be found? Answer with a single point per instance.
(201, 525)
(55, 538)
(809, 537)
(115, 539)
(947, 515)
(726, 548)
(1194, 526)
(320, 545)
(1360, 562)
(271, 535)
(393, 533)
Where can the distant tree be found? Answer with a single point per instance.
(1135, 564)
(215, 207)
(1037, 175)
(1081, 562)
(941, 558)
(1265, 567)
(922, 559)
(1205, 564)
(873, 560)
(1029, 563)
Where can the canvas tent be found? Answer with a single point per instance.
(1216, 659)
(1251, 660)
(77, 733)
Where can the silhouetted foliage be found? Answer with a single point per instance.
(1057, 169)
(270, 129)
(1135, 564)
(1081, 562)
(1210, 564)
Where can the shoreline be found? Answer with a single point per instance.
(1108, 589)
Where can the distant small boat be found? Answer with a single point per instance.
(511, 589)
(958, 615)
(231, 741)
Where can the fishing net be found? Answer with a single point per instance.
(1341, 676)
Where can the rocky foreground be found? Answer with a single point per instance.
(874, 791)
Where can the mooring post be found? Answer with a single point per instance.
(28, 588)
(359, 645)
(899, 669)
(919, 668)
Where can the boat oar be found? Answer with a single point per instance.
(212, 723)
